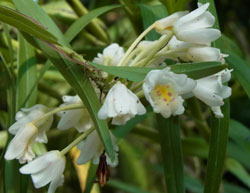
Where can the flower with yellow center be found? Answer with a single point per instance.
(164, 89)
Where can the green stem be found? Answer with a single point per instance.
(130, 49)
(76, 141)
(94, 26)
(64, 108)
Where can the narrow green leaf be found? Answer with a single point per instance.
(230, 188)
(217, 151)
(25, 23)
(125, 187)
(136, 74)
(83, 21)
(238, 170)
(241, 70)
(169, 131)
(32, 9)
(27, 74)
(149, 15)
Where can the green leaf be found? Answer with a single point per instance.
(239, 144)
(149, 15)
(217, 151)
(241, 70)
(27, 74)
(83, 21)
(229, 188)
(169, 131)
(238, 170)
(136, 74)
(125, 187)
(32, 9)
(25, 23)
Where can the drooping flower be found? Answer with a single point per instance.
(120, 104)
(191, 52)
(195, 27)
(76, 118)
(26, 133)
(163, 90)
(92, 148)
(111, 55)
(48, 168)
(204, 54)
(211, 90)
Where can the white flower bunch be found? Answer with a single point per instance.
(185, 36)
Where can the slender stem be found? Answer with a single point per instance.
(155, 49)
(135, 43)
(67, 107)
(76, 141)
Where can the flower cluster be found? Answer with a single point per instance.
(184, 37)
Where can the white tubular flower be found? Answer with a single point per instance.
(76, 118)
(20, 146)
(165, 25)
(195, 27)
(211, 90)
(163, 90)
(45, 169)
(92, 148)
(203, 54)
(26, 115)
(120, 104)
(111, 55)
(26, 133)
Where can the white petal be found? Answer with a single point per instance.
(71, 99)
(55, 183)
(192, 15)
(19, 144)
(199, 36)
(91, 146)
(217, 112)
(202, 54)
(166, 22)
(69, 119)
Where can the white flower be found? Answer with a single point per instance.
(187, 52)
(120, 104)
(26, 115)
(195, 27)
(26, 133)
(203, 54)
(92, 148)
(45, 169)
(111, 55)
(211, 90)
(20, 146)
(165, 25)
(163, 90)
(76, 118)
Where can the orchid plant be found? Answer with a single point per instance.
(165, 84)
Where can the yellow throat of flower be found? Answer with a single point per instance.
(164, 93)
